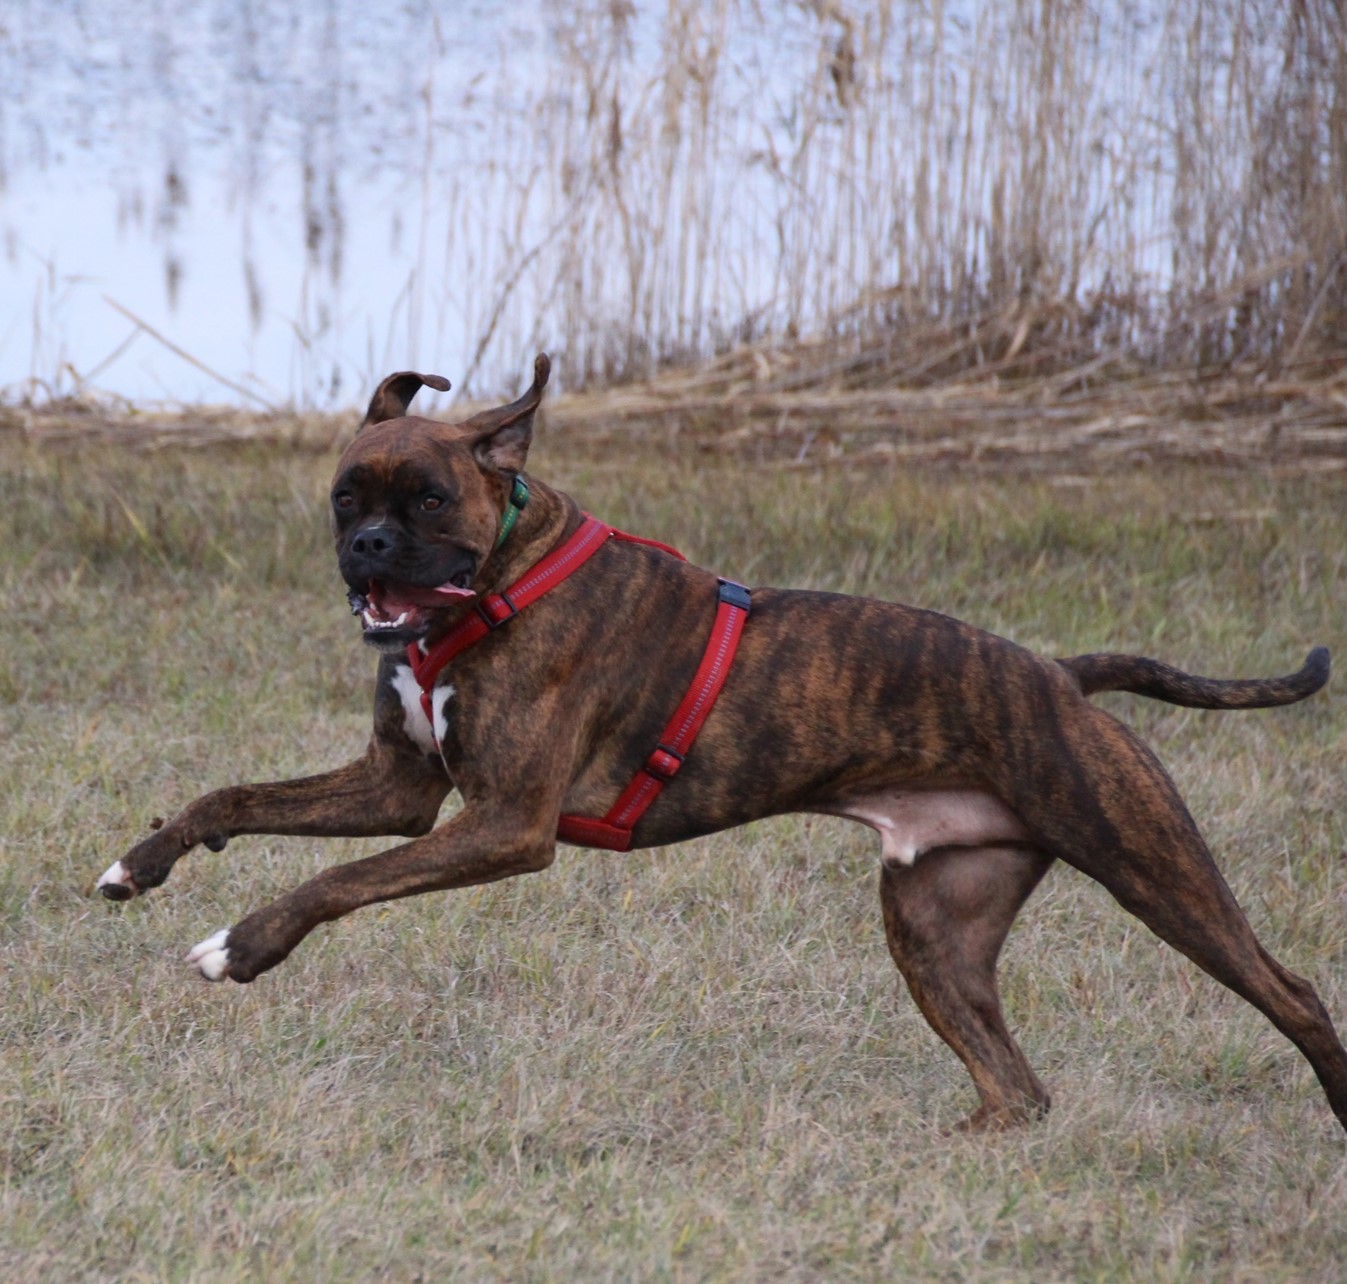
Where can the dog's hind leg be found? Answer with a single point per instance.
(1114, 814)
(946, 918)
(1191, 908)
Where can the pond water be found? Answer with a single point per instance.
(243, 179)
(276, 202)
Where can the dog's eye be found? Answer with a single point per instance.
(431, 503)
(343, 499)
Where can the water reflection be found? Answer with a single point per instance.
(236, 175)
(281, 200)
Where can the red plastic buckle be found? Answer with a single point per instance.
(664, 763)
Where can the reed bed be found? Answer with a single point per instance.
(1054, 186)
(1027, 233)
(847, 401)
(1161, 181)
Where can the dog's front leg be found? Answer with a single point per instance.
(388, 791)
(470, 848)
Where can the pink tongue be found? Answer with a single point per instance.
(452, 591)
(392, 599)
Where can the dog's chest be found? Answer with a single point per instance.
(415, 723)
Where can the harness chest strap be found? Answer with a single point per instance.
(491, 612)
(614, 831)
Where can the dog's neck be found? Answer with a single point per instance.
(547, 518)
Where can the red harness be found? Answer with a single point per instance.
(615, 829)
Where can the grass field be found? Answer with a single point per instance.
(689, 1064)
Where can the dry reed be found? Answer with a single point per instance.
(1058, 187)
(1039, 230)
(1165, 181)
(914, 398)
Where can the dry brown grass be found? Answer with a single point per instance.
(853, 401)
(690, 1064)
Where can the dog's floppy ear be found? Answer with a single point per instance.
(394, 395)
(502, 436)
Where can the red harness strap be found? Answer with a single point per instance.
(614, 831)
(492, 612)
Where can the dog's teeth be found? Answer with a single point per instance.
(373, 624)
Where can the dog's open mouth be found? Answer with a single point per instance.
(387, 609)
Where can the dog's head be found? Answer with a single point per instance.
(417, 505)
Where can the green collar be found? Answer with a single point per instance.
(519, 497)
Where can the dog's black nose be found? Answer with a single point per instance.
(374, 540)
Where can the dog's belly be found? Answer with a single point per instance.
(910, 823)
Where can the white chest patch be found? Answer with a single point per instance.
(438, 699)
(414, 721)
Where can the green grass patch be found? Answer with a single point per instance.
(696, 1063)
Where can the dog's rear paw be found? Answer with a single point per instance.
(211, 957)
(116, 883)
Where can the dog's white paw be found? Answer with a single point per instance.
(211, 957)
(116, 883)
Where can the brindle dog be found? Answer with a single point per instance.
(978, 762)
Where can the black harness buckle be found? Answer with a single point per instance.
(491, 620)
(735, 594)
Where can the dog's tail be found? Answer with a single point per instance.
(1146, 677)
